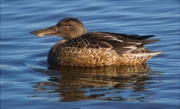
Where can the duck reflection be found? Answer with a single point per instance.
(97, 83)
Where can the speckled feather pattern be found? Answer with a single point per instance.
(85, 51)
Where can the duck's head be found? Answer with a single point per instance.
(67, 28)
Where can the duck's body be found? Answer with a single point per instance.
(81, 48)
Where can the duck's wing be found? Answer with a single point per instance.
(103, 41)
(134, 38)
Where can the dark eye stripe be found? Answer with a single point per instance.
(66, 24)
(58, 25)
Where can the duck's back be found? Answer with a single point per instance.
(101, 48)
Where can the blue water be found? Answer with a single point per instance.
(28, 82)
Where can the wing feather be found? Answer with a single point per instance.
(121, 43)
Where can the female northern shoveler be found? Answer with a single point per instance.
(82, 48)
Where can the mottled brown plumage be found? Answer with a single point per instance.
(81, 48)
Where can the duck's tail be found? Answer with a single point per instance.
(143, 39)
(150, 54)
(144, 42)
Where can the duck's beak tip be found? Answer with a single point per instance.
(36, 33)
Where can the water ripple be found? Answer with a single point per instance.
(33, 60)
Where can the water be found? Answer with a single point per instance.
(27, 81)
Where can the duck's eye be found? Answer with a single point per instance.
(66, 24)
(58, 25)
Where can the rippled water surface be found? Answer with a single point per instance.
(28, 82)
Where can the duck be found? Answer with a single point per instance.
(81, 48)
